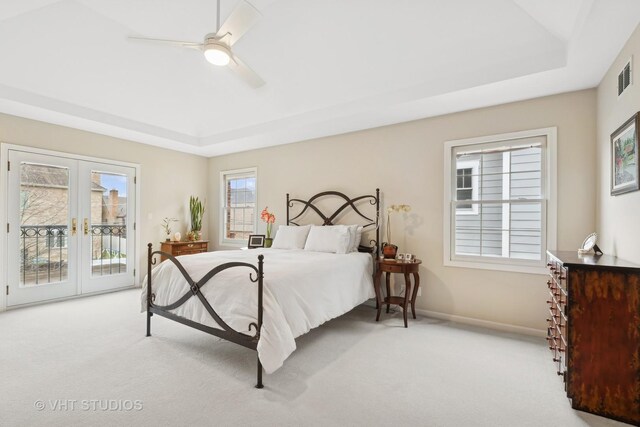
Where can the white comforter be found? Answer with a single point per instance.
(302, 290)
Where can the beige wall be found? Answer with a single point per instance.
(618, 222)
(406, 162)
(167, 178)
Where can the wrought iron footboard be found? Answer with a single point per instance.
(225, 331)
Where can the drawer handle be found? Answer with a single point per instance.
(562, 278)
(555, 359)
(190, 245)
(560, 373)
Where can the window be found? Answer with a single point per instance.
(467, 186)
(56, 237)
(465, 189)
(500, 199)
(239, 205)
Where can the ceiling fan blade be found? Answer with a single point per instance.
(242, 18)
(245, 73)
(176, 43)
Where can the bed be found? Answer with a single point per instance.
(263, 299)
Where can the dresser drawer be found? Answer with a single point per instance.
(191, 246)
(188, 252)
(393, 268)
(184, 248)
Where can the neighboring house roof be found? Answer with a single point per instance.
(49, 176)
(122, 200)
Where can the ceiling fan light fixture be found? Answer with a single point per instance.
(217, 53)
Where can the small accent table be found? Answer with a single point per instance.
(407, 268)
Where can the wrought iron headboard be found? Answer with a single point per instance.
(328, 219)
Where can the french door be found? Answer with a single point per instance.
(70, 227)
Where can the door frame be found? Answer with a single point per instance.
(4, 155)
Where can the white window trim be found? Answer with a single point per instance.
(229, 242)
(550, 224)
(474, 165)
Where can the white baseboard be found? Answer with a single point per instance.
(32, 304)
(483, 323)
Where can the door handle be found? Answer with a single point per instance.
(86, 226)
(74, 226)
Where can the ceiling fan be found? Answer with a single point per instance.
(217, 46)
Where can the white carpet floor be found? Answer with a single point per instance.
(87, 362)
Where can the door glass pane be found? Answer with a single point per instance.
(44, 213)
(108, 223)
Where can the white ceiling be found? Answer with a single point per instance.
(331, 66)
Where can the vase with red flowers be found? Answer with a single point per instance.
(269, 218)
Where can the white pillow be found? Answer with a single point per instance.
(357, 239)
(291, 237)
(328, 238)
(354, 238)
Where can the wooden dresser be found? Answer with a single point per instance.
(184, 248)
(594, 332)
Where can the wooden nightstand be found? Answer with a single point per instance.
(407, 268)
(184, 248)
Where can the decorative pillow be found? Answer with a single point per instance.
(328, 238)
(291, 237)
(354, 241)
(352, 236)
(357, 239)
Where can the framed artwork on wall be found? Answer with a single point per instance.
(625, 168)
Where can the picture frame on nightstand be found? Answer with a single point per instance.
(256, 241)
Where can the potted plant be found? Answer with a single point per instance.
(166, 226)
(196, 209)
(390, 250)
(269, 218)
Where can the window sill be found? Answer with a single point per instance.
(513, 268)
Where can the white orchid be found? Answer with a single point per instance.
(398, 208)
(390, 210)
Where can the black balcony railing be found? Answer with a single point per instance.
(112, 250)
(45, 254)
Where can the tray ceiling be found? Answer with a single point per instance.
(330, 67)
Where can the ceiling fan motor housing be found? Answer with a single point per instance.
(216, 51)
